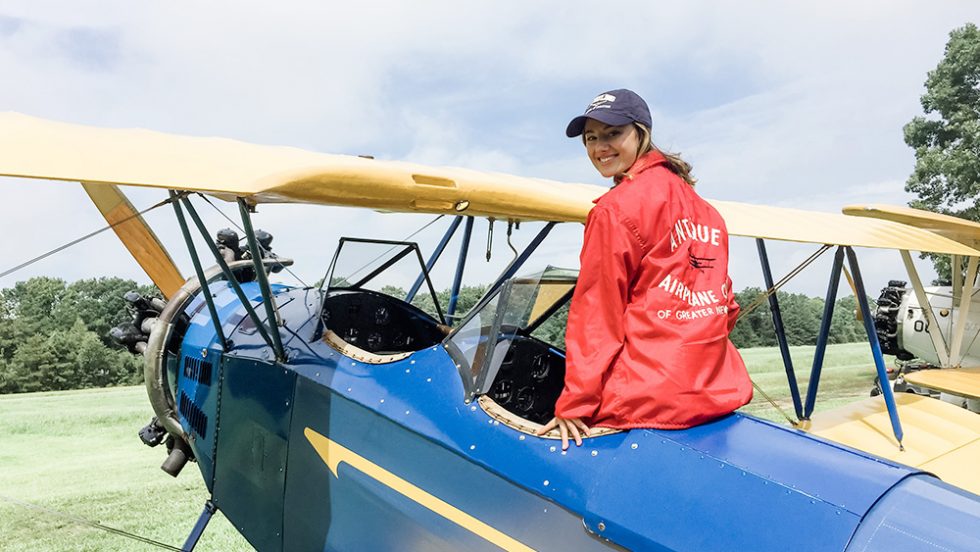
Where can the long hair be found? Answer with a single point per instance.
(674, 162)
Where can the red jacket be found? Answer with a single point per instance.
(647, 338)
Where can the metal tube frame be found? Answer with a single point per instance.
(450, 232)
(818, 353)
(199, 270)
(268, 300)
(228, 274)
(464, 250)
(886, 390)
(777, 322)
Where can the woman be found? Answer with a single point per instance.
(647, 337)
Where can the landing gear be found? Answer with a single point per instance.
(200, 526)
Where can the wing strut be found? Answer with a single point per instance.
(199, 270)
(460, 265)
(869, 326)
(828, 314)
(822, 338)
(268, 300)
(233, 282)
(933, 325)
(433, 258)
(777, 322)
(136, 235)
(966, 299)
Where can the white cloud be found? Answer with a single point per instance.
(794, 104)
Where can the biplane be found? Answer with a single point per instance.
(338, 417)
(934, 326)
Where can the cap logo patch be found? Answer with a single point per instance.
(600, 101)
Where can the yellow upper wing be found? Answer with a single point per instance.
(961, 230)
(36, 148)
(781, 223)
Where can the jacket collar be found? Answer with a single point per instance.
(644, 162)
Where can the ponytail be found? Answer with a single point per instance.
(674, 162)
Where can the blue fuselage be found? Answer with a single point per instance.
(325, 452)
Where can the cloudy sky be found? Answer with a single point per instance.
(793, 104)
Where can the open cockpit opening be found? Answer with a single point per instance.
(376, 323)
(381, 324)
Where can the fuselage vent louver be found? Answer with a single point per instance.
(197, 369)
(197, 419)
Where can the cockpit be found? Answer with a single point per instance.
(384, 324)
(509, 347)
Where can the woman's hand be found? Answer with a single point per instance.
(575, 426)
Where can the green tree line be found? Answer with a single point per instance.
(801, 316)
(55, 335)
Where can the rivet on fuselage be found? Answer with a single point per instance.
(602, 526)
(521, 438)
(348, 389)
(382, 401)
(472, 447)
(407, 412)
(634, 446)
(595, 453)
(546, 482)
(428, 380)
(473, 408)
(204, 353)
(552, 449)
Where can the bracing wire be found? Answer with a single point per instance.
(89, 235)
(775, 287)
(82, 521)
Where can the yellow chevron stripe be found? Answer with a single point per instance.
(333, 454)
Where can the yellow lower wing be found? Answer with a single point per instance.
(964, 382)
(939, 437)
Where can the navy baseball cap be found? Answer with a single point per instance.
(616, 108)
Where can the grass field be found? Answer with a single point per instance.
(77, 452)
(848, 375)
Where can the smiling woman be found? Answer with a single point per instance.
(647, 335)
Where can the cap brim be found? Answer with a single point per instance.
(577, 126)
